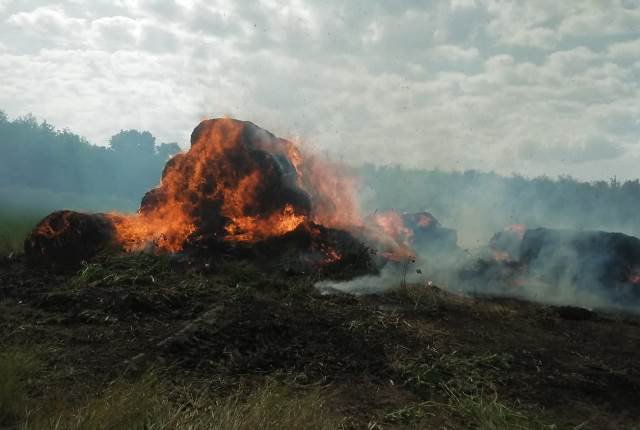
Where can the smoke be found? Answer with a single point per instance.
(591, 269)
(478, 204)
(392, 275)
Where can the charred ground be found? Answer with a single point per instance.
(414, 358)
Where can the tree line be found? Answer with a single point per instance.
(482, 203)
(37, 156)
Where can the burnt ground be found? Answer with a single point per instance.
(414, 358)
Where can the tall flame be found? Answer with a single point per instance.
(241, 183)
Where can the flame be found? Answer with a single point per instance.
(239, 183)
(225, 183)
(501, 256)
(514, 233)
(331, 187)
(423, 221)
(389, 230)
(634, 276)
(517, 229)
(48, 230)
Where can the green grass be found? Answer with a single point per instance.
(484, 411)
(463, 387)
(15, 225)
(15, 369)
(150, 405)
(467, 373)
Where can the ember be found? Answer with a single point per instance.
(505, 245)
(65, 236)
(634, 277)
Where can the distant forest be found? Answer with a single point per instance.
(45, 168)
(479, 204)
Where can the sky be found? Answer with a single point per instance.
(539, 87)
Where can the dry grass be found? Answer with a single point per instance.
(147, 404)
(484, 411)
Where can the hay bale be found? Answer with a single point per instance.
(586, 259)
(67, 237)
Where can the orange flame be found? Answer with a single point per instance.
(219, 172)
(331, 187)
(388, 229)
(634, 277)
(517, 229)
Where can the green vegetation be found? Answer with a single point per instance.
(147, 403)
(37, 158)
(463, 386)
(48, 169)
(16, 367)
(484, 411)
(14, 227)
(480, 203)
(232, 347)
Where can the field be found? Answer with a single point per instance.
(14, 227)
(139, 341)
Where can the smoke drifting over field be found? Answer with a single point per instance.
(452, 241)
(577, 261)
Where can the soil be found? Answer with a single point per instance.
(227, 322)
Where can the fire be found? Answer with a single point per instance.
(388, 228)
(237, 183)
(500, 256)
(53, 227)
(330, 186)
(504, 245)
(634, 276)
(517, 229)
(240, 184)
(423, 221)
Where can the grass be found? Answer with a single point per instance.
(113, 270)
(15, 369)
(151, 405)
(467, 373)
(484, 411)
(463, 387)
(14, 228)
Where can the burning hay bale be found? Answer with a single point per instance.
(236, 183)
(238, 190)
(400, 236)
(428, 236)
(564, 264)
(505, 245)
(67, 237)
(588, 259)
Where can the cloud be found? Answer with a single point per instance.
(114, 33)
(525, 87)
(602, 18)
(627, 51)
(593, 149)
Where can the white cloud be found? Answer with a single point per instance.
(455, 53)
(602, 18)
(627, 51)
(509, 86)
